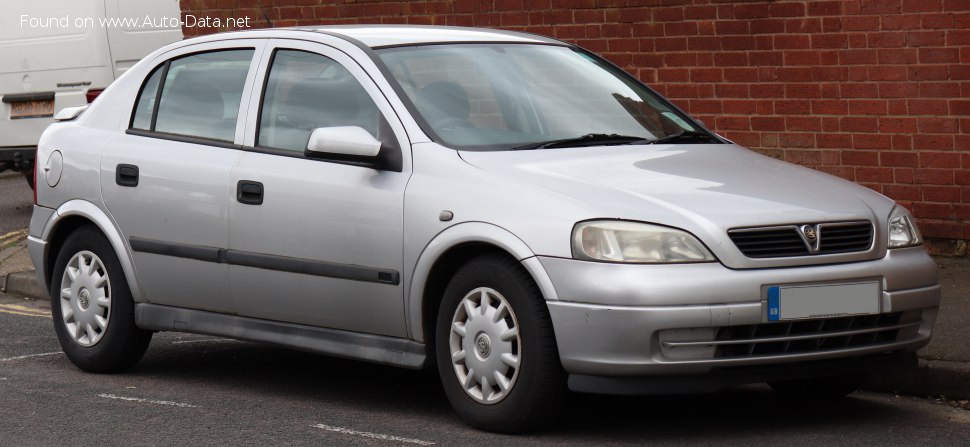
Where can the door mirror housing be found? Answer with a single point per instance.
(352, 141)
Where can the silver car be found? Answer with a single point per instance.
(507, 208)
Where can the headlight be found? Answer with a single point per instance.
(902, 229)
(635, 242)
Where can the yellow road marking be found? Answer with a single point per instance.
(23, 313)
(21, 310)
(13, 234)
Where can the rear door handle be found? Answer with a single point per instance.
(126, 175)
(249, 192)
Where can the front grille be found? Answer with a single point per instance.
(788, 241)
(845, 238)
(770, 243)
(803, 336)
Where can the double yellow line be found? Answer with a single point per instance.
(13, 235)
(15, 309)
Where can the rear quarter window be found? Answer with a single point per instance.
(142, 118)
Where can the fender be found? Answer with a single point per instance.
(457, 235)
(92, 212)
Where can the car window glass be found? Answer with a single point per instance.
(202, 93)
(146, 102)
(502, 96)
(306, 91)
(452, 92)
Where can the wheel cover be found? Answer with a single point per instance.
(85, 298)
(484, 345)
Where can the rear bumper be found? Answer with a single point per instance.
(635, 338)
(36, 242)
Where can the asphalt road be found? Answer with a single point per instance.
(16, 200)
(195, 390)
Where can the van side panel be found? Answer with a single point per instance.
(69, 46)
(131, 40)
(41, 55)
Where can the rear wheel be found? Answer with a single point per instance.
(820, 388)
(94, 315)
(496, 351)
(29, 176)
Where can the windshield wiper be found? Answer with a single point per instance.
(683, 135)
(590, 139)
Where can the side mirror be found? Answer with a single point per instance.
(344, 140)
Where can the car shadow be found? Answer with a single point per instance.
(297, 376)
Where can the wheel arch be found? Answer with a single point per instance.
(73, 214)
(446, 253)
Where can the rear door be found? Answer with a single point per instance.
(322, 245)
(166, 180)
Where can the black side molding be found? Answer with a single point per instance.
(267, 262)
(197, 252)
(310, 267)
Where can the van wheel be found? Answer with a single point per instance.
(496, 351)
(820, 388)
(94, 315)
(29, 176)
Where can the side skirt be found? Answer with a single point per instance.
(367, 347)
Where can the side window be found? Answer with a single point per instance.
(200, 95)
(305, 91)
(146, 101)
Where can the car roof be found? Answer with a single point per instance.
(376, 36)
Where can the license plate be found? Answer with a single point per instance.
(822, 301)
(32, 109)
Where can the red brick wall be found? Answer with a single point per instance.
(875, 91)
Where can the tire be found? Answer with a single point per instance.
(29, 176)
(820, 388)
(119, 344)
(537, 385)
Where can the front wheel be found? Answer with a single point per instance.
(94, 315)
(496, 351)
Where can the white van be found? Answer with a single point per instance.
(63, 53)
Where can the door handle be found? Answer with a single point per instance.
(249, 192)
(126, 175)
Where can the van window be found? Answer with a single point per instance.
(200, 96)
(305, 91)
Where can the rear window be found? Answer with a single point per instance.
(199, 97)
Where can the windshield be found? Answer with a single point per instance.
(515, 96)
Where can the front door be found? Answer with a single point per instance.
(312, 240)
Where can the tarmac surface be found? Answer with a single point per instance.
(196, 390)
(951, 334)
(16, 202)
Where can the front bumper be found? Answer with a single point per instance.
(614, 320)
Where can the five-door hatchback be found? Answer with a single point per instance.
(507, 208)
